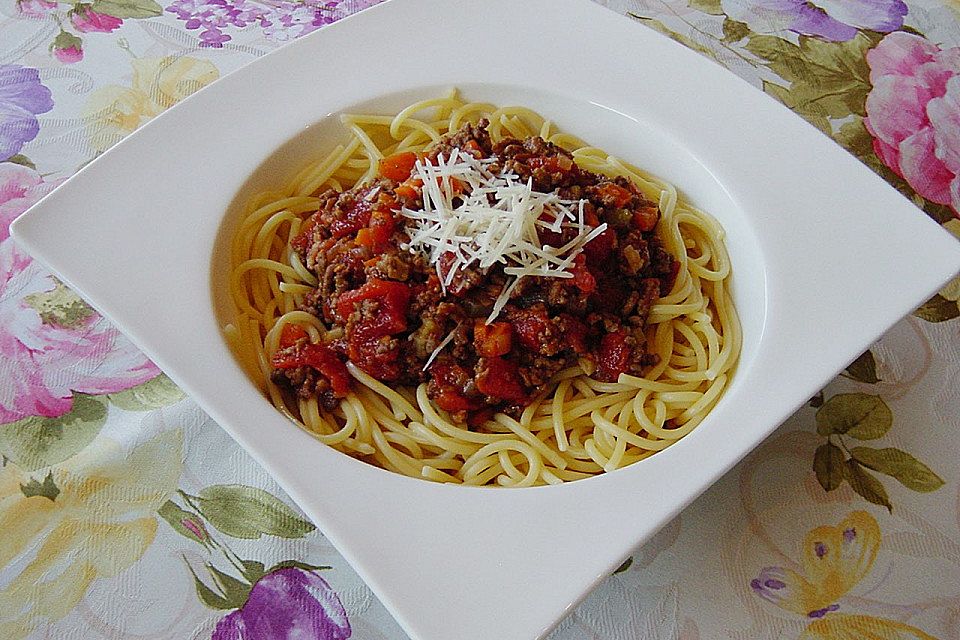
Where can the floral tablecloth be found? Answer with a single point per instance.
(126, 513)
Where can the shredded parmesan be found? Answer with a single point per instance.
(481, 218)
(439, 348)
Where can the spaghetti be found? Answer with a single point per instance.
(577, 425)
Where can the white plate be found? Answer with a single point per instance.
(826, 257)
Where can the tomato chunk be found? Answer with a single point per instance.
(447, 384)
(368, 339)
(319, 357)
(354, 218)
(493, 339)
(499, 378)
(474, 148)
(582, 278)
(600, 248)
(376, 237)
(645, 218)
(301, 242)
(575, 333)
(368, 348)
(291, 334)
(398, 166)
(553, 164)
(407, 192)
(394, 298)
(614, 356)
(530, 326)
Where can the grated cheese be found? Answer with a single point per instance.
(439, 348)
(495, 221)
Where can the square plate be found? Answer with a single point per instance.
(824, 256)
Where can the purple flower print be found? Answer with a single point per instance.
(829, 19)
(287, 604)
(280, 20)
(22, 97)
(771, 584)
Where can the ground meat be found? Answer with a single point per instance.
(463, 138)
(390, 313)
(308, 383)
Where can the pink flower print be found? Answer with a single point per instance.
(69, 55)
(85, 20)
(67, 48)
(36, 8)
(20, 188)
(51, 342)
(195, 526)
(913, 114)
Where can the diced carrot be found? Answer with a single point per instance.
(645, 218)
(493, 339)
(613, 194)
(398, 166)
(365, 237)
(406, 191)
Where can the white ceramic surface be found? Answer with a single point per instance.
(826, 257)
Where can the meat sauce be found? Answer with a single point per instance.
(390, 313)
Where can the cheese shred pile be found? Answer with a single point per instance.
(483, 218)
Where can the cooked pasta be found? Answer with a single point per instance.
(576, 426)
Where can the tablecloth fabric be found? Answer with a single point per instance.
(126, 513)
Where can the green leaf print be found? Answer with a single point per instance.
(207, 595)
(898, 464)
(864, 368)
(706, 6)
(22, 160)
(859, 415)
(253, 570)
(938, 309)
(152, 394)
(37, 442)
(47, 489)
(623, 567)
(60, 307)
(656, 25)
(864, 417)
(183, 522)
(247, 512)
(866, 485)
(234, 591)
(828, 464)
(826, 79)
(734, 31)
(286, 564)
(128, 8)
